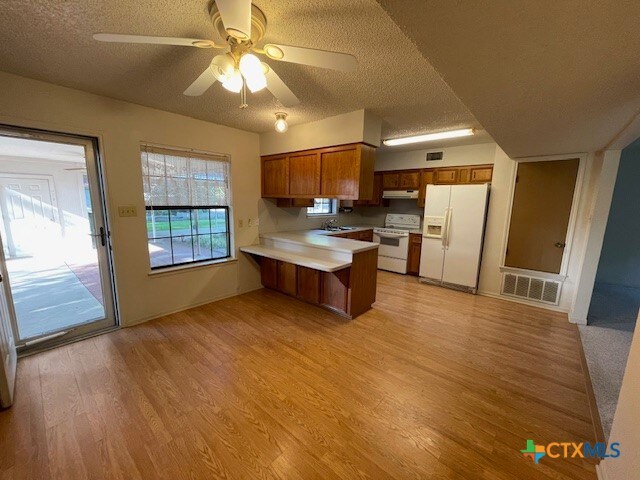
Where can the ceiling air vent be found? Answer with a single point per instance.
(531, 288)
(432, 156)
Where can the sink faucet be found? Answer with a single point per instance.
(328, 224)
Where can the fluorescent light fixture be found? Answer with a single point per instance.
(465, 132)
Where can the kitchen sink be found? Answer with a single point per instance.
(339, 229)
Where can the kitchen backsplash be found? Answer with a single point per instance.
(276, 219)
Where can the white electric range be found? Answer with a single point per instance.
(394, 241)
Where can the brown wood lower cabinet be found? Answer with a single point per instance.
(415, 249)
(334, 291)
(309, 284)
(348, 292)
(269, 272)
(287, 278)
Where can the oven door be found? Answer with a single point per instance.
(392, 245)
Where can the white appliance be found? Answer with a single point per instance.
(394, 241)
(400, 194)
(454, 221)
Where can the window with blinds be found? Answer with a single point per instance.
(187, 199)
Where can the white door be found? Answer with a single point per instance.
(7, 341)
(467, 209)
(29, 213)
(432, 254)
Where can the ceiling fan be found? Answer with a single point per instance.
(243, 25)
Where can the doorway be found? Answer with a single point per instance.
(615, 300)
(55, 239)
(540, 214)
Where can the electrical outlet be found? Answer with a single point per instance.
(250, 222)
(127, 211)
(254, 222)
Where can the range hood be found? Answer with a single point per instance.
(400, 194)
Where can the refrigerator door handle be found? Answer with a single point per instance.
(447, 228)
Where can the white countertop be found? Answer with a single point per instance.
(322, 264)
(322, 241)
(315, 249)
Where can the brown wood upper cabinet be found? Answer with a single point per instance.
(410, 180)
(275, 176)
(446, 175)
(426, 177)
(390, 180)
(304, 174)
(344, 172)
(376, 198)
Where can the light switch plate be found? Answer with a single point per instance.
(127, 211)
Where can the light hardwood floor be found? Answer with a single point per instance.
(431, 383)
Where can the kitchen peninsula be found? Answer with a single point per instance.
(338, 274)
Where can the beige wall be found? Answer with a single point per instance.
(352, 127)
(120, 128)
(626, 422)
(463, 155)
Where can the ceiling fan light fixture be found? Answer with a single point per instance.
(223, 67)
(233, 83)
(281, 124)
(250, 66)
(429, 137)
(273, 52)
(256, 83)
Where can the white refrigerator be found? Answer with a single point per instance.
(453, 231)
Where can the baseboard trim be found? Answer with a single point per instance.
(596, 421)
(186, 307)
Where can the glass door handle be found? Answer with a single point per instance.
(102, 235)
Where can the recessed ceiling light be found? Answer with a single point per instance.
(465, 132)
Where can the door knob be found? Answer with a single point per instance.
(560, 244)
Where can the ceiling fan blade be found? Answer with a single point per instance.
(280, 90)
(201, 84)
(236, 17)
(185, 42)
(309, 56)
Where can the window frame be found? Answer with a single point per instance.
(188, 153)
(191, 208)
(334, 208)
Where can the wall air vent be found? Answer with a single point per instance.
(432, 156)
(531, 288)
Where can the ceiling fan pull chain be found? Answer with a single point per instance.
(243, 95)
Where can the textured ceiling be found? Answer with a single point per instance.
(544, 76)
(51, 40)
